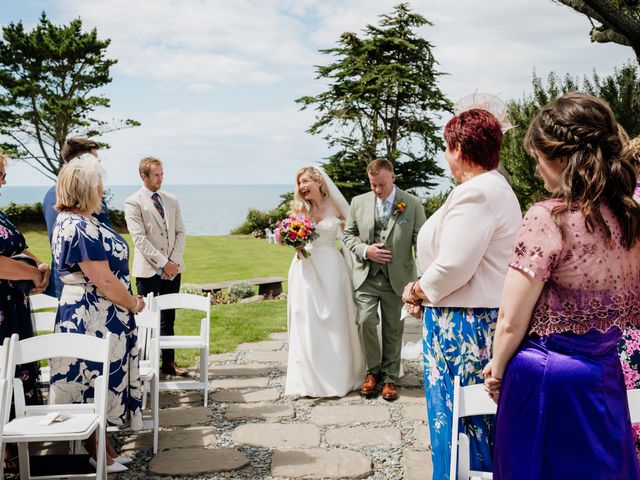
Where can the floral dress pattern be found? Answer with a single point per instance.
(629, 350)
(83, 309)
(456, 342)
(15, 309)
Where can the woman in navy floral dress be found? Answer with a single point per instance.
(96, 298)
(15, 309)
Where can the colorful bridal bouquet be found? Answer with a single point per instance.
(297, 231)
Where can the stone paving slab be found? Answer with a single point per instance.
(410, 380)
(267, 357)
(270, 345)
(417, 465)
(173, 417)
(194, 461)
(421, 437)
(352, 398)
(178, 399)
(248, 370)
(246, 396)
(344, 415)
(414, 412)
(409, 395)
(223, 357)
(259, 412)
(274, 435)
(364, 437)
(412, 337)
(320, 463)
(180, 438)
(237, 383)
(284, 336)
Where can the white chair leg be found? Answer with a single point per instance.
(23, 460)
(155, 414)
(204, 374)
(101, 453)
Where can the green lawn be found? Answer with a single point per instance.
(213, 259)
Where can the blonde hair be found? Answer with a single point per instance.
(299, 204)
(78, 185)
(3, 159)
(146, 163)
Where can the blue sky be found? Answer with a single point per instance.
(214, 81)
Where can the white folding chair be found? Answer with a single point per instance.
(5, 406)
(271, 238)
(82, 419)
(468, 401)
(41, 301)
(197, 342)
(148, 322)
(634, 404)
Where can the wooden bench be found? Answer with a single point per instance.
(270, 286)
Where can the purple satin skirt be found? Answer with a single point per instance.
(563, 411)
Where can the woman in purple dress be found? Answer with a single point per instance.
(572, 287)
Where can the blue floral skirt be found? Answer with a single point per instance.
(456, 342)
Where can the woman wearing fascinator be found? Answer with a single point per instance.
(463, 254)
(325, 356)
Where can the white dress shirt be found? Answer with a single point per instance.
(150, 194)
(463, 249)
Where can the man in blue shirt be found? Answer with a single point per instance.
(72, 148)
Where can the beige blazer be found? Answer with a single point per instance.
(155, 239)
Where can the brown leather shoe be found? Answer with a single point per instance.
(389, 392)
(370, 385)
(174, 369)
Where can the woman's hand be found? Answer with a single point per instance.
(138, 304)
(407, 297)
(43, 281)
(413, 310)
(491, 384)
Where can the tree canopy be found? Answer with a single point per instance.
(621, 90)
(382, 100)
(49, 78)
(612, 21)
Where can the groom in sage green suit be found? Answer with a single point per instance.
(381, 231)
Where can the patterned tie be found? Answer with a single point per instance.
(386, 210)
(156, 203)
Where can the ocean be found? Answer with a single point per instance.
(206, 209)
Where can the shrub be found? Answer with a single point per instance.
(434, 202)
(257, 220)
(240, 290)
(21, 214)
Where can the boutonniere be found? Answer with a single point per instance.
(399, 207)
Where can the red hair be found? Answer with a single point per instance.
(479, 136)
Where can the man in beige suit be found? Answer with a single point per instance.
(155, 224)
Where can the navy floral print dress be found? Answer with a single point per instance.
(83, 309)
(15, 309)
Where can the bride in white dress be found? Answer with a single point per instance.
(325, 356)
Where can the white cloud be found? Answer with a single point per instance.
(213, 81)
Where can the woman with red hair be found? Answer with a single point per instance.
(463, 251)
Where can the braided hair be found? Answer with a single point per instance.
(582, 130)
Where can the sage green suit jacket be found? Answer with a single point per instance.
(402, 232)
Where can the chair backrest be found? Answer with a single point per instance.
(634, 404)
(148, 323)
(58, 345)
(467, 401)
(182, 300)
(5, 348)
(45, 321)
(40, 301)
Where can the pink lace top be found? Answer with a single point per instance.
(590, 282)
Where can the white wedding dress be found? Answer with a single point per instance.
(325, 355)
